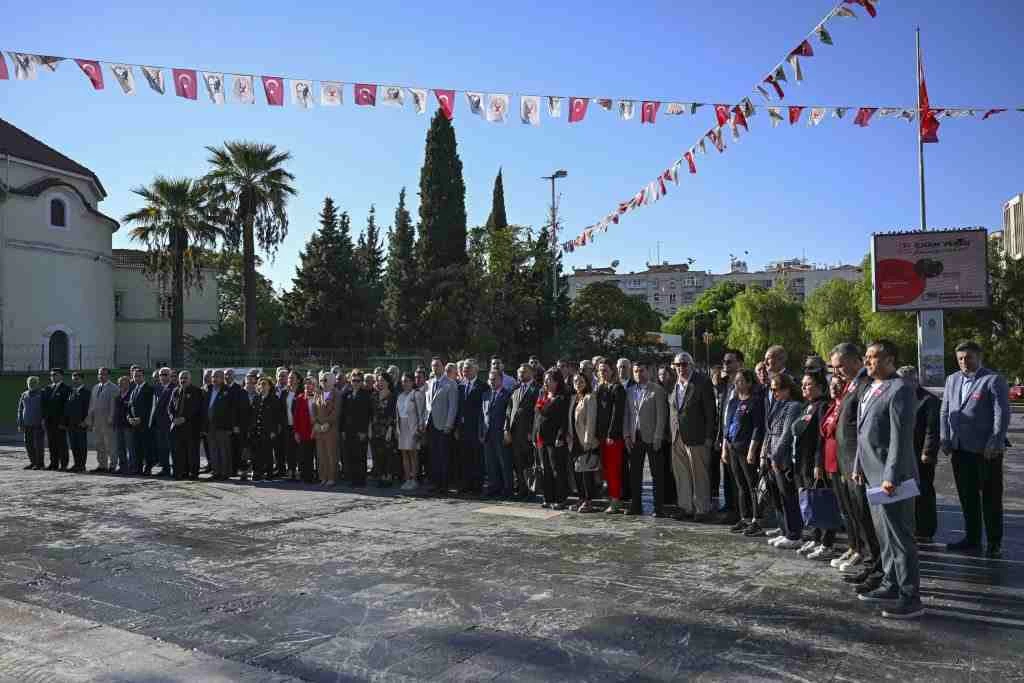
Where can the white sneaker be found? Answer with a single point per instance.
(774, 539)
(772, 533)
(821, 553)
(854, 560)
(786, 544)
(807, 548)
(842, 558)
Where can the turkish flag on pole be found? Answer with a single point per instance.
(89, 67)
(446, 100)
(577, 108)
(366, 94)
(184, 83)
(273, 87)
(649, 111)
(929, 122)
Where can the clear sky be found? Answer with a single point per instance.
(817, 192)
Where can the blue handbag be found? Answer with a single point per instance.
(819, 507)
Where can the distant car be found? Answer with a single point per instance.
(1017, 393)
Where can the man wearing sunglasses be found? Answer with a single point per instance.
(692, 416)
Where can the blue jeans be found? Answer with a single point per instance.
(498, 461)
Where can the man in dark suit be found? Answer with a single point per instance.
(54, 398)
(141, 408)
(973, 422)
(76, 413)
(220, 422)
(185, 414)
(519, 431)
(163, 443)
(886, 459)
(239, 402)
(732, 362)
(356, 416)
(497, 453)
(692, 413)
(281, 443)
(469, 464)
(624, 371)
(864, 550)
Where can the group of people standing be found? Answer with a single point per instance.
(860, 427)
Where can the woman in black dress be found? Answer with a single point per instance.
(263, 429)
(552, 414)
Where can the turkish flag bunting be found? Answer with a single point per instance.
(722, 114)
(184, 83)
(864, 115)
(992, 112)
(689, 160)
(366, 94)
(868, 5)
(649, 111)
(3, 69)
(92, 70)
(273, 86)
(577, 108)
(794, 115)
(770, 80)
(929, 122)
(804, 50)
(739, 118)
(446, 100)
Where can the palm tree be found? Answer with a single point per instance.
(176, 225)
(250, 189)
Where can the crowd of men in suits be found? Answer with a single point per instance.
(755, 439)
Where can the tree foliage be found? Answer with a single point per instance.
(832, 315)
(763, 317)
(607, 320)
(401, 277)
(699, 317)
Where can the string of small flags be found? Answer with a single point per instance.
(735, 116)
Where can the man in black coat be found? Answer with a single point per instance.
(469, 463)
(76, 410)
(185, 414)
(356, 416)
(926, 445)
(163, 442)
(54, 398)
(140, 420)
(519, 431)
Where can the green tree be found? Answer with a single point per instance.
(764, 317)
(832, 315)
(606, 319)
(401, 293)
(708, 313)
(177, 227)
(370, 286)
(497, 217)
(546, 302)
(442, 228)
(250, 187)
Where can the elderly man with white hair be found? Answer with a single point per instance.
(692, 414)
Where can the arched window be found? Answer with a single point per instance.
(58, 214)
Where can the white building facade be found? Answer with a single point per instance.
(58, 271)
(1013, 228)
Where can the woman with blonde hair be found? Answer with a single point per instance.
(325, 429)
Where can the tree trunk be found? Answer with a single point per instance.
(249, 289)
(178, 300)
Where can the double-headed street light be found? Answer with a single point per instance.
(693, 332)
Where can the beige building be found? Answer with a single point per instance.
(1013, 228)
(670, 286)
(60, 280)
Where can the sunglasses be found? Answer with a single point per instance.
(681, 365)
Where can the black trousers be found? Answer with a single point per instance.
(185, 454)
(79, 440)
(262, 454)
(746, 477)
(288, 459)
(468, 470)
(236, 452)
(979, 484)
(926, 517)
(57, 440)
(35, 440)
(627, 481)
(305, 453)
(554, 463)
(789, 498)
(637, 454)
(354, 468)
(668, 477)
(524, 456)
(863, 527)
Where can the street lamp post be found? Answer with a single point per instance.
(560, 173)
(708, 338)
(693, 330)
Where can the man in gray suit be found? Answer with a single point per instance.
(101, 419)
(973, 420)
(886, 459)
(646, 412)
(442, 402)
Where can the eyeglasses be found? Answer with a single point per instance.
(356, 381)
(681, 364)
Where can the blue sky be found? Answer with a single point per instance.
(817, 192)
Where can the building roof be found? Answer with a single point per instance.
(20, 144)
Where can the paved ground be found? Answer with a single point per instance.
(105, 578)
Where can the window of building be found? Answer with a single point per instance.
(690, 281)
(671, 298)
(58, 213)
(118, 305)
(166, 303)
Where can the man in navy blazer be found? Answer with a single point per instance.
(973, 421)
(469, 462)
(886, 459)
(141, 410)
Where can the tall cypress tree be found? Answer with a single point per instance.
(442, 199)
(369, 267)
(497, 219)
(401, 293)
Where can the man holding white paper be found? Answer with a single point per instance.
(886, 460)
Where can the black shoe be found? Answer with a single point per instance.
(559, 506)
(906, 609)
(659, 514)
(29, 467)
(994, 551)
(52, 467)
(681, 516)
(753, 529)
(97, 470)
(880, 595)
(701, 518)
(858, 578)
(964, 546)
(738, 528)
(868, 586)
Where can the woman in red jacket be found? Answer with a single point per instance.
(302, 420)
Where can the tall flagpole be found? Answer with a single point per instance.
(920, 140)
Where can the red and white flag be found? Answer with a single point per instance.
(649, 111)
(365, 94)
(794, 115)
(929, 122)
(3, 68)
(739, 118)
(868, 5)
(689, 161)
(803, 50)
(722, 114)
(184, 83)
(273, 88)
(717, 139)
(864, 115)
(771, 80)
(446, 101)
(90, 67)
(577, 108)
(331, 93)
